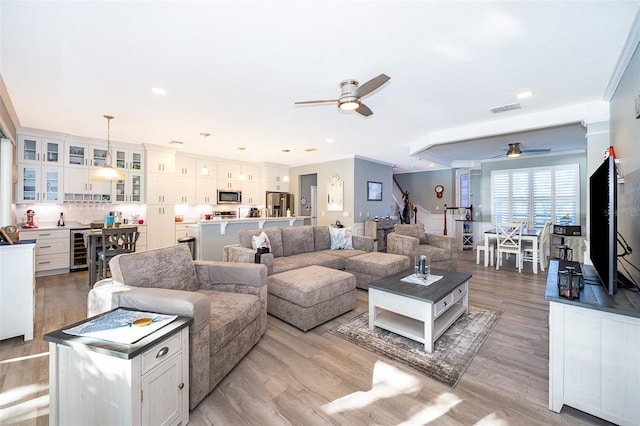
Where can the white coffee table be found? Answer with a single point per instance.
(418, 312)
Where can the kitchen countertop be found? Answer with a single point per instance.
(249, 219)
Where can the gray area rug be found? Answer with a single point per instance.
(452, 353)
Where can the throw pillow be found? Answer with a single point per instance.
(260, 241)
(341, 238)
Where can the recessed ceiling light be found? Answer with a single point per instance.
(241, 148)
(176, 143)
(524, 95)
(329, 140)
(286, 150)
(205, 134)
(311, 149)
(158, 91)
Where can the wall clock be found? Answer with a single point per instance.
(439, 190)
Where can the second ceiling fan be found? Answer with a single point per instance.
(352, 92)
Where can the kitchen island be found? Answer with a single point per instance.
(212, 235)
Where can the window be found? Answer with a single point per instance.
(464, 187)
(536, 195)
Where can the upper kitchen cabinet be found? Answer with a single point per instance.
(160, 161)
(185, 166)
(127, 159)
(206, 184)
(39, 150)
(81, 155)
(129, 190)
(228, 171)
(39, 184)
(276, 178)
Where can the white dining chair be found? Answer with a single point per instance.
(487, 251)
(508, 236)
(543, 240)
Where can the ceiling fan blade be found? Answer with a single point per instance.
(364, 110)
(324, 101)
(372, 85)
(533, 151)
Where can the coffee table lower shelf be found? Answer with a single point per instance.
(414, 329)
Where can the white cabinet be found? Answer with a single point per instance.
(127, 159)
(206, 185)
(276, 178)
(129, 190)
(228, 171)
(17, 288)
(96, 382)
(38, 150)
(52, 252)
(160, 189)
(251, 193)
(83, 155)
(39, 184)
(160, 226)
(185, 166)
(80, 159)
(160, 161)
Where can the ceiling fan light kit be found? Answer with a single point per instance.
(351, 93)
(514, 150)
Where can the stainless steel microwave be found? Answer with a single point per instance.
(229, 197)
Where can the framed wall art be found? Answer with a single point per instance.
(374, 191)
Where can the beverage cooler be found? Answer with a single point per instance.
(279, 202)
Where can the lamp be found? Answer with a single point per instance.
(205, 170)
(107, 172)
(514, 150)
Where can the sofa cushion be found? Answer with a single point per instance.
(341, 238)
(433, 253)
(167, 267)
(274, 235)
(287, 263)
(343, 253)
(296, 240)
(230, 314)
(321, 238)
(413, 230)
(311, 285)
(376, 263)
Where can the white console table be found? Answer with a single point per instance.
(593, 351)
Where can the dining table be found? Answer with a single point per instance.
(527, 235)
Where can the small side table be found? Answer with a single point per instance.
(93, 381)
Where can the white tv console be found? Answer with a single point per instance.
(594, 344)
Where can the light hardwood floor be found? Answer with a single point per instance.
(316, 378)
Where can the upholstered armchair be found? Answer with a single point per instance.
(412, 240)
(228, 302)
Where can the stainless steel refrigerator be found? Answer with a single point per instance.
(279, 202)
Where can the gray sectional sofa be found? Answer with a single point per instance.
(309, 283)
(227, 301)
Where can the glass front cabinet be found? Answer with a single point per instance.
(39, 184)
(129, 190)
(37, 150)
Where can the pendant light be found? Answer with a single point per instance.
(107, 172)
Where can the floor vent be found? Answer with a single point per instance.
(505, 108)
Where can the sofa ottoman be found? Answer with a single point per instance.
(370, 267)
(309, 296)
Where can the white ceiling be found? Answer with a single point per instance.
(234, 69)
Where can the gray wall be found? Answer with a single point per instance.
(371, 171)
(421, 188)
(306, 182)
(625, 138)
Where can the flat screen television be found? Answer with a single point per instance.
(603, 227)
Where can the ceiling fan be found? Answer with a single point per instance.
(349, 99)
(514, 151)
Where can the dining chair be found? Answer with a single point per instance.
(508, 236)
(115, 241)
(488, 251)
(543, 239)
